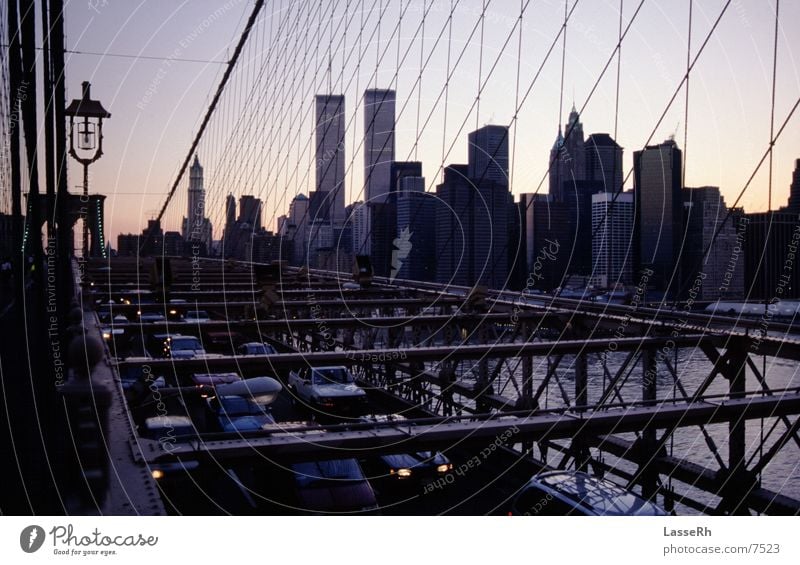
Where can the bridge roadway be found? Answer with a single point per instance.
(313, 443)
(438, 353)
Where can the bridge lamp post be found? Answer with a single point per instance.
(86, 136)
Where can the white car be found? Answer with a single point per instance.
(328, 389)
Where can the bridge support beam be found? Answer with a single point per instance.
(647, 473)
(736, 479)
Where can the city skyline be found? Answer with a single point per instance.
(714, 157)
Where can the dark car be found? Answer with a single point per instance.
(407, 468)
(575, 493)
(238, 414)
(336, 486)
(243, 406)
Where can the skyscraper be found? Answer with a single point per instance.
(613, 249)
(196, 228)
(378, 143)
(471, 230)
(414, 247)
(659, 212)
(488, 154)
(250, 211)
(229, 233)
(567, 156)
(794, 190)
(720, 272)
(298, 220)
(230, 210)
(604, 161)
(547, 235)
(769, 239)
(382, 228)
(330, 156)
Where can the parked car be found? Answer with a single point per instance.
(327, 389)
(408, 468)
(575, 493)
(336, 486)
(255, 348)
(222, 342)
(196, 316)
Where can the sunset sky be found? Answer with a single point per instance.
(158, 91)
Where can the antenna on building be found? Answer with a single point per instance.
(674, 133)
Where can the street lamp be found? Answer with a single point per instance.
(86, 135)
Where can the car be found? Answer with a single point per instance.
(176, 346)
(255, 348)
(335, 486)
(237, 414)
(576, 493)
(327, 389)
(196, 316)
(408, 468)
(150, 317)
(243, 406)
(222, 342)
(168, 427)
(214, 379)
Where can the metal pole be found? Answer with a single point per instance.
(85, 214)
(49, 134)
(15, 85)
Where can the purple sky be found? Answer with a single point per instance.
(156, 103)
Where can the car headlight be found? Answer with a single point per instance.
(157, 474)
(444, 468)
(401, 473)
(106, 335)
(173, 312)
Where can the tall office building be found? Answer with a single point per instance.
(414, 247)
(567, 156)
(250, 211)
(794, 190)
(196, 228)
(613, 249)
(488, 154)
(330, 157)
(297, 229)
(547, 233)
(770, 272)
(229, 233)
(382, 226)
(471, 230)
(659, 212)
(358, 220)
(719, 273)
(230, 210)
(378, 143)
(604, 161)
